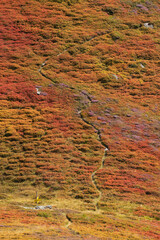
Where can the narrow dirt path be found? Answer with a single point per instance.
(102, 161)
(69, 222)
(96, 201)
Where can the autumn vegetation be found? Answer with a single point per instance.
(101, 59)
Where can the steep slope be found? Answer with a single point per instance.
(79, 94)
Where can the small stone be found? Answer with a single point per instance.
(38, 207)
(43, 93)
(148, 25)
(142, 7)
(48, 206)
(94, 101)
(142, 66)
(115, 76)
(91, 113)
(38, 91)
(76, 96)
(107, 110)
(101, 118)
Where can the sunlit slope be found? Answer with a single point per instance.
(78, 77)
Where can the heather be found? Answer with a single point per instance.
(79, 113)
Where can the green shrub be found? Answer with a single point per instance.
(43, 214)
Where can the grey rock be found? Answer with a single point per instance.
(48, 206)
(40, 207)
(43, 207)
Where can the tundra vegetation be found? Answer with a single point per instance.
(76, 77)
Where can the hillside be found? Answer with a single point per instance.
(80, 119)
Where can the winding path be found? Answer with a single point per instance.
(96, 201)
(102, 161)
